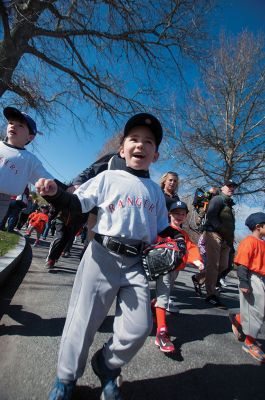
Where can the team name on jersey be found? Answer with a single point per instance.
(128, 202)
(8, 164)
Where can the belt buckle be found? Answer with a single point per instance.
(114, 245)
(132, 250)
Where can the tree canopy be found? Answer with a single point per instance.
(59, 52)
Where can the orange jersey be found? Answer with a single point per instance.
(193, 252)
(251, 254)
(32, 215)
(38, 220)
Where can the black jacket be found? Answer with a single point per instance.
(108, 161)
(220, 217)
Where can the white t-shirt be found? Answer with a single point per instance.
(128, 206)
(18, 167)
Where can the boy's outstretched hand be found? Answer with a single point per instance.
(46, 187)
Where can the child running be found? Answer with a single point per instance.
(131, 212)
(18, 166)
(37, 221)
(250, 259)
(178, 214)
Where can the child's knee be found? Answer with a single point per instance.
(162, 301)
(136, 332)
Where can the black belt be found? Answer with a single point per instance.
(118, 247)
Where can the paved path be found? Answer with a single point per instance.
(208, 364)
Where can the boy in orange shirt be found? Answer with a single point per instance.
(178, 214)
(37, 222)
(250, 259)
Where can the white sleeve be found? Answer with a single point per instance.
(89, 193)
(162, 212)
(38, 171)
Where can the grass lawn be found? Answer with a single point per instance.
(7, 242)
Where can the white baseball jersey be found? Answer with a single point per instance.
(129, 206)
(18, 167)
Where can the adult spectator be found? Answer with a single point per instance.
(51, 216)
(169, 184)
(219, 237)
(65, 230)
(222, 283)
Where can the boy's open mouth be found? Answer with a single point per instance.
(139, 156)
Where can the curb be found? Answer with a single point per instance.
(11, 259)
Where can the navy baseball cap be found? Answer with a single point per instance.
(12, 112)
(145, 119)
(230, 182)
(178, 204)
(254, 219)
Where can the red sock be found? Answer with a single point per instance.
(238, 318)
(249, 340)
(160, 318)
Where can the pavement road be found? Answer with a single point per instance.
(208, 363)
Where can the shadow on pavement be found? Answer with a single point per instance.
(218, 382)
(185, 328)
(189, 328)
(187, 299)
(31, 324)
(62, 270)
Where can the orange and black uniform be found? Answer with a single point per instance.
(38, 221)
(250, 259)
(251, 255)
(192, 253)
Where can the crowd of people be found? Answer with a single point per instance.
(119, 209)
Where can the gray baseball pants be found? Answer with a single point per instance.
(252, 306)
(103, 276)
(164, 287)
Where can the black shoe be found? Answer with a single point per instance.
(215, 302)
(197, 285)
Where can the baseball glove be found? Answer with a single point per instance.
(163, 256)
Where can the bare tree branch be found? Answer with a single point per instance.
(222, 135)
(94, 44)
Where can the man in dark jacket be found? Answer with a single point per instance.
(219, 237)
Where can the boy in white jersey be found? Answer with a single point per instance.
(18, 167)
(131, 212)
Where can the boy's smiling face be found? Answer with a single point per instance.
(139, 148)
(178, 216)
(18, 133)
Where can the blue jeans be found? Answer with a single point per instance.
(46, 230)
